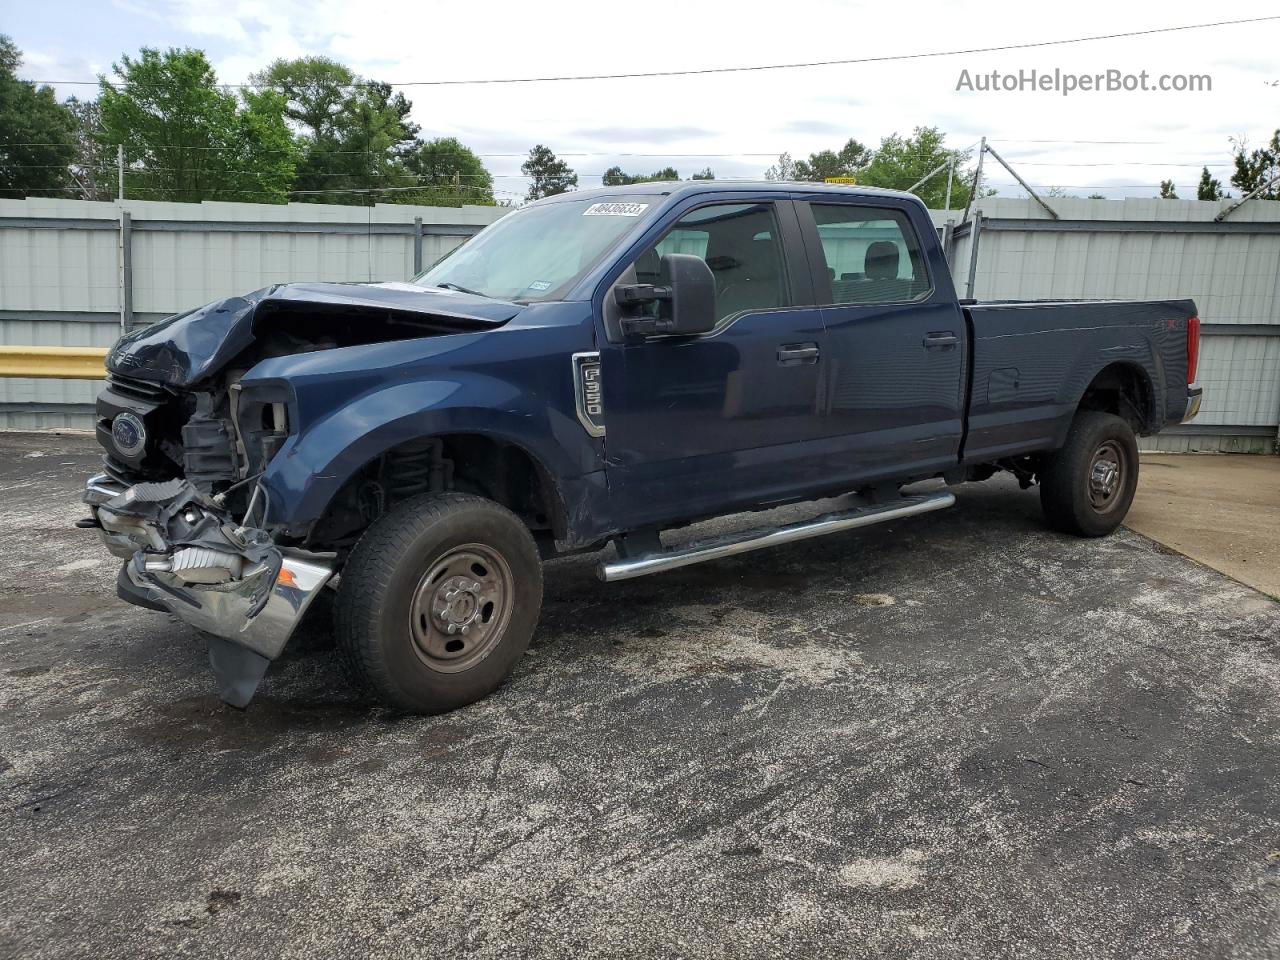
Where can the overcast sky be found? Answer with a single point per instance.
(735, 123)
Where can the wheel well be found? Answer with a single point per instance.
(1124, 390)
(469, 463)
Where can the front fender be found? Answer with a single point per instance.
(312, 467)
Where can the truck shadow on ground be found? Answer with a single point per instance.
(307, 691)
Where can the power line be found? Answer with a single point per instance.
(703, 71)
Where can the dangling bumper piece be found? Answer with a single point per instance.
(185, 555)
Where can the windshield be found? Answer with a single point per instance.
(538, 253)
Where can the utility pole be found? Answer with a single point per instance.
(951, 173)
(120, 166)
(977, 180)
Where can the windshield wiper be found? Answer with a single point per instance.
(453, 286)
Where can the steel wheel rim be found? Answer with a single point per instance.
(1108, 474)
(461, 607)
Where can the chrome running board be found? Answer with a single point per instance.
(624, 568)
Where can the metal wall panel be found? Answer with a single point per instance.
(1155, 249)
(62, 286)
(60, 270)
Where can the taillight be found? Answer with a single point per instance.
(1193, 347)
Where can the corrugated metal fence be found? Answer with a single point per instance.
(74, 273)
(1151, 249)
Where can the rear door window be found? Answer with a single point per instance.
(871, 254)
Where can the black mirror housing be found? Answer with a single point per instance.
(692, 307)
(686, 304)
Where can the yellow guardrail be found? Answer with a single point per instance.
(71, 363)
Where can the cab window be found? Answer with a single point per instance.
(871, 254)
(740, 243)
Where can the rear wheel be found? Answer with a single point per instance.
(438, 601)
(1087, 486)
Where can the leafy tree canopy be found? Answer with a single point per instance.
(898, 163)
(1258, 168)
(37, 134)
(448, 173)
(1210, 188)
(616, 177)
(548, 174)
(187, 139)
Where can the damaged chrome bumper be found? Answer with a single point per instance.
(185, 555)
(1194, 396)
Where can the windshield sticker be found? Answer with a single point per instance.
(615, 209)
(540, 285)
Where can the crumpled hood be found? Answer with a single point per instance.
(188, 347)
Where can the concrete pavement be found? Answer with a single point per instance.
(1223, 511)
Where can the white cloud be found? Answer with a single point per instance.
(766, 112)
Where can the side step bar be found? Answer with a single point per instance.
(624, 568)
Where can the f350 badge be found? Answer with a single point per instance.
(587, 392)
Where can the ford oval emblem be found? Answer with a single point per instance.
(128, 434)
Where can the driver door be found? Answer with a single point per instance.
(701, 424)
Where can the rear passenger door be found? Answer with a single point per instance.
(894, 361)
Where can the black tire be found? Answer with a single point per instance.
(1075, 480)
(405, 589)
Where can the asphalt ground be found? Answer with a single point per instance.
(958, 735)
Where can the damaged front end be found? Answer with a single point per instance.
(190, 436)
(184, 554)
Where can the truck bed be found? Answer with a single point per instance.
(1031, 360)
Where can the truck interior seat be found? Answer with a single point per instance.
(746, 272)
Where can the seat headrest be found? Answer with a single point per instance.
(881, 261)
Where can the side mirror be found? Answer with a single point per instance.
(692, 307)
(686, 305)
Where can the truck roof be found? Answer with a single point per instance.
(675, 188)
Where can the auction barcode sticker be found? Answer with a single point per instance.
(615, 209)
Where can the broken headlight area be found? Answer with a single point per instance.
(185, 554)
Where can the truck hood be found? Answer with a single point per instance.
(186, 348)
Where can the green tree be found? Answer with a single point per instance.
(706, 173)
(617, 177)
(1209, 188)
(187, 139)
(449, 175)
(900, 162)
(315, 90)
(1167, 190)
(850, 161)
(354, 135)
(548, 174)
(784, 170)
(37, 134)
(1258, 168)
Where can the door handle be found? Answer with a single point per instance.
(791, 354)
(940, 338)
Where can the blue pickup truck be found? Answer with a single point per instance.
(587, 373)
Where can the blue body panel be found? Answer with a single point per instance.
(696, 425)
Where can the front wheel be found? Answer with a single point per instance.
(438, 601)
(1087, 486)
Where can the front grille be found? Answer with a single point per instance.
(138, 389)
